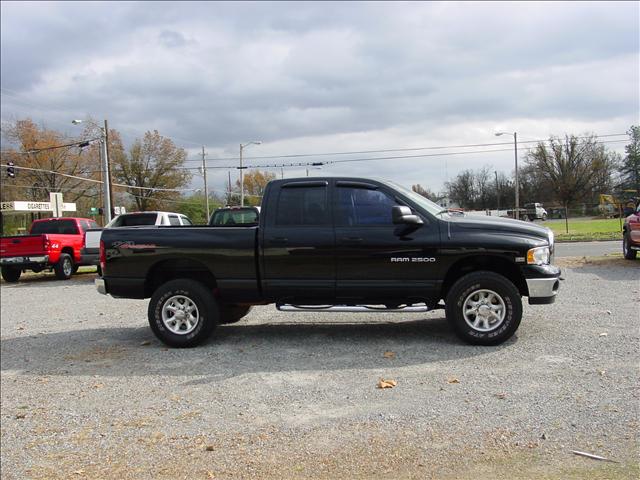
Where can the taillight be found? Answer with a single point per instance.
(47, 244)
(103, 257)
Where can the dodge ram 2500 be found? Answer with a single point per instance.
(335, 244)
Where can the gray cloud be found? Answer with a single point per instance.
(326, 76)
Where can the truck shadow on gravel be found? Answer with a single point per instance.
(238, 349)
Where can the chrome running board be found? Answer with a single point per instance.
(352, 308)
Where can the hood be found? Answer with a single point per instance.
(481, 222)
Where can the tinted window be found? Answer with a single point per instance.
(302, 206)
(65, 227)
(186, 221)
(360, 206)
(239, 216)
(134, 219)
(174, 220)
(88, 224)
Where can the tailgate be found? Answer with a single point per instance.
(22, 245)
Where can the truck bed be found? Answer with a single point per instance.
(229, 253)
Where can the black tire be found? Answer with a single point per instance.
(206, 312)
(544, 217)
(463, 293)
(626, 251)
(75, 268)
(64, 268)
(233, 313)
(525, 218)
(11, 274)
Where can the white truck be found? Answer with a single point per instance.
(133, 219)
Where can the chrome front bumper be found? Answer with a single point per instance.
(101, 286)
(543, 287)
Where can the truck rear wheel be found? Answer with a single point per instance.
(64, 268)
(484, 308)
(11, 274)
(183, 313)
(233, 313)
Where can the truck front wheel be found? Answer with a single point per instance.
(484, 308)
(64, 268)
(183, 313)
(11, 274)
(233, 313)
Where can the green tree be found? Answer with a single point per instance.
(156, 164)
(630, 165)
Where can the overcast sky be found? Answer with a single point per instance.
(328, 77)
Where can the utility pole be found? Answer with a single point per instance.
(107, 177)
(241, 179)
(515, 146)
(106, 143)
(497, 192)
(206, 190)
(229, 191)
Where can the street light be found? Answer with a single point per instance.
(515, 146)
(104, 156)
(257, 142)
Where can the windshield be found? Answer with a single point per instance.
(428, 205)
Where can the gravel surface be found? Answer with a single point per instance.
(87, 391)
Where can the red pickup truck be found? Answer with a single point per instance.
(52, 244)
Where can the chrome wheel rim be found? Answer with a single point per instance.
(484, 310)
(66, 267)
(180, 315)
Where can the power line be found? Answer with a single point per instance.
(440, 147)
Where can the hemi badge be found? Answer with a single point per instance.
(520, 259)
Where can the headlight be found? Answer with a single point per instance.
(539, 256)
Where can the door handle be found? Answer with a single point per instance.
(351, 239)
(279, 240)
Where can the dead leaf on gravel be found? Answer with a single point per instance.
(19, 327)
(501, 395)
(79, 472)
(20, 416)
(98, 385)
(382, 383)
(602, 372)
(389, 354)
(145, 343)
(210, 474)
(209, 448)
(453, 380)
(604, 334)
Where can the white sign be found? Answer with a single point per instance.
(34, 207)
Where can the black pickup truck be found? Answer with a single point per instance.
(335, 244)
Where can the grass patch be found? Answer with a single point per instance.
(587, 230)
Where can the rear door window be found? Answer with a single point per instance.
(302, 206)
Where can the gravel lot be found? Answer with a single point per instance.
(87, 391)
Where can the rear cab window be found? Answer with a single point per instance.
(174, 220)
(61, 227)
(232, 216)
(135, 219)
